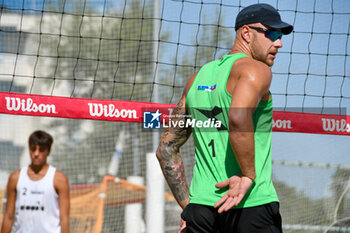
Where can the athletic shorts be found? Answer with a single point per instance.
(259, 219)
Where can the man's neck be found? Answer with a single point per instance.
(240, 47)
(38, 168)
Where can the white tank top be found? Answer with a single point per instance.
(37, 208)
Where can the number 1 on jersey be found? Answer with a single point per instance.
(211, 143)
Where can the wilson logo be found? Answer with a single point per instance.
(282, 124)
(110, 111)
(335, 125)
(28, 105)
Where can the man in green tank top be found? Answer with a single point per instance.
(231, 189)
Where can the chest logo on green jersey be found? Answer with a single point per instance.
(211, 114)
(206, 88)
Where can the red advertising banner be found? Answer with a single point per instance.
(75, 108)
(311, 123)
(132, 111)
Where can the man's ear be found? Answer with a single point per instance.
(245, 33)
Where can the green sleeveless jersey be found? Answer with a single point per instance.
(208, 101)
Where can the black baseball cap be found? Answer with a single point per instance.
(262, 13)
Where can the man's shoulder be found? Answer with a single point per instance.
(15, 174)
(13, 178)
(249, 69)
(248, 65)
(189, 84)
(60, 176)
(60, 181)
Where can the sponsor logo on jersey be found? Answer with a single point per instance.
(32, 207)
(206, 88)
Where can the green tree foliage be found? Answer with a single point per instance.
(340, 189)
(209, 42)
(102, 57)
(297, 208)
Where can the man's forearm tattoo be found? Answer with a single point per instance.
(169, 156)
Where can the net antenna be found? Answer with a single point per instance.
(118, 152)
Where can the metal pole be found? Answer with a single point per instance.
(155, 181)
(155, 195)
(156, 32)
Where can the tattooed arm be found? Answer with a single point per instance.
(168, 152)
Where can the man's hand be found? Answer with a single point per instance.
(238, 187)
(182, 226)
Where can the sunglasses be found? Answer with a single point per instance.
(269, 33)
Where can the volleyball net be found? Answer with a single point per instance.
(86, 71)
